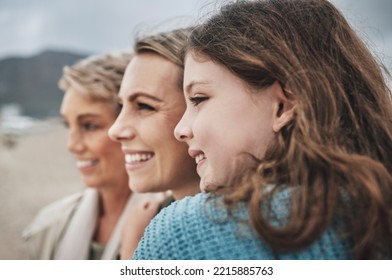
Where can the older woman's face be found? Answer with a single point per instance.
(153, 103)
(98, 158)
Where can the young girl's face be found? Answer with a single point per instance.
(224, 119)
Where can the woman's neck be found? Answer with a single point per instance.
(111, 205)
(113, 200)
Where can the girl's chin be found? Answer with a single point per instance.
(206, 184)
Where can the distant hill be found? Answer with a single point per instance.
(32, 82)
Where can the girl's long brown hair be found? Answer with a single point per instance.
(338, 148)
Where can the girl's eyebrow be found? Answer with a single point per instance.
(193, 83)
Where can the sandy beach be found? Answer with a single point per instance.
(34, 173)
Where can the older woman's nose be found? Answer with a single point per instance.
(75, 142)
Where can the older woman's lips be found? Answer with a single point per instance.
(86, 164)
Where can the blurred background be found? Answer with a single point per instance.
(39, 37)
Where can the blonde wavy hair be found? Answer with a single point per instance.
(97, 76)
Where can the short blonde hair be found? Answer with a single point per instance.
(97, 76)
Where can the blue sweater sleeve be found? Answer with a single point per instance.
(200, 228)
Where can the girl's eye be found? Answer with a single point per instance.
(144, 106)
(197, 100)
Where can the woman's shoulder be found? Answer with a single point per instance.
(42, 235)
(53, 213)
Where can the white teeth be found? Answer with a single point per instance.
(84, 163)
(134, 158)
(199, 158)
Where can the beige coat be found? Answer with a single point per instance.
(65, 228)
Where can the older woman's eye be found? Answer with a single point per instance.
(90, 126)
(196, 100)
(144, 106)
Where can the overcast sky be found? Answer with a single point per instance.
(93, 26)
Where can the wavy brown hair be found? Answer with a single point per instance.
(338, 148)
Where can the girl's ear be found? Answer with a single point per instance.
(283, 108)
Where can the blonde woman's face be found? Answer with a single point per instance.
(223, 119)
(152, 104)
(98, 158)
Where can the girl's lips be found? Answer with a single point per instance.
(200, 157)
(199, 165)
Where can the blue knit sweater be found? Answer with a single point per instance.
(200, 228)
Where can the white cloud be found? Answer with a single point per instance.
(88, 25)
(24, 36)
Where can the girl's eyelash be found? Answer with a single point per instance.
(197, 100)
